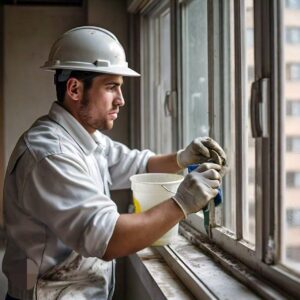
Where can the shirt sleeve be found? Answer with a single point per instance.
(61, 194)
(123, 163)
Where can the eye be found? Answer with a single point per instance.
(111, 87)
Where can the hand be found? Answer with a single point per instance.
(201, 149)
(198, 188)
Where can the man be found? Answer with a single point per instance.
(63, 230)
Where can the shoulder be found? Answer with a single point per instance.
(110, 147)
(46, 138)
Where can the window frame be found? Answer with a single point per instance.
(268, 64)
(149, 12)
(270, 149)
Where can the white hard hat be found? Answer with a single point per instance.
(89, 48)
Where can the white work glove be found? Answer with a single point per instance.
(201, 149)
(198, 188)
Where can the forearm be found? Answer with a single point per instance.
(166, 163)
(134, 232)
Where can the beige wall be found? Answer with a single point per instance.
(1, 112)
(28, 91)
(29, 32)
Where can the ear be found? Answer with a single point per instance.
(74, 89)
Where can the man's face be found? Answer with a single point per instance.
(99, 106)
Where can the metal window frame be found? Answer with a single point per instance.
(268, 63)
(148, 13)
(179, 6)
(269, 151)
(45, 2)
(147, 16)
(239, 116)
(268, 194)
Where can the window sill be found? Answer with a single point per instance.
(183, 271)
(157, 280)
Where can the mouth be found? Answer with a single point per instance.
(113, 115)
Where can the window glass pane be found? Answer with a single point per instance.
(249, 155)
(250, 37)
(293, 35)
(225, 110)
(293, 107)
(293, 217)
(293, 71)
(292, 4)
(165, 83)
(293, 144)
(156, 122)
(292, 179)
(291, 205)
(195, 73)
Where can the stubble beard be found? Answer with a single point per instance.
(85, 116)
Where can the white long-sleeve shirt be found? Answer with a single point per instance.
(56, 196)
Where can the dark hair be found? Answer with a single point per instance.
(61, 84)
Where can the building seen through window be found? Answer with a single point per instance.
(291, 236)
(293, 35)
(292, 4)
(293, 71)
(293, 107)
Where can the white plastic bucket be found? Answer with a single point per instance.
(151, 189)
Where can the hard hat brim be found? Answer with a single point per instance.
(113, 70)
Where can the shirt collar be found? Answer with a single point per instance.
(80, 135)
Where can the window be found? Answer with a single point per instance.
(293, 217)
(293, 35)
(233, 76)
(293, 179)
(158, 97)
(293, 144)
(293, 108)
(250, 34)
(195, 71)
(291, 157)
(293, 71)
(292, 4)
(293, 223)
(250, 73)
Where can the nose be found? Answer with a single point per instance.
(119, 100)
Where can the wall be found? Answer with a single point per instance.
(28, 91)
(29, 32)
(1, 113)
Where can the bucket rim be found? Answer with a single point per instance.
(180, 178)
